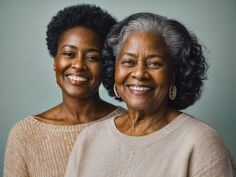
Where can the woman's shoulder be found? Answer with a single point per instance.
(208, 148)
(205, 138)
(22, 129)
(196, 125)
(25, 123)
(200, 135)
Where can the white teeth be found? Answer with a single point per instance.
(77, 78)
(139, 88)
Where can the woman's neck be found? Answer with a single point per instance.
(139, 123)
(79, 107)
(77, 111)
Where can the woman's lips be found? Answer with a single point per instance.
(139, 90)
(77, 80)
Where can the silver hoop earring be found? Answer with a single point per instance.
(115, 91)
(172, 92)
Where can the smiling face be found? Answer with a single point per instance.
(78, 62)
(143, 72)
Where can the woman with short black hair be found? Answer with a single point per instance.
(39, 145)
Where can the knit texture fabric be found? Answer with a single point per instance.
(38, 149)
(186, 147)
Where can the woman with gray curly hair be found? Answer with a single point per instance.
(157, 67)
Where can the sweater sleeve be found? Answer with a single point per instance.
(212, 158)
(14, 163)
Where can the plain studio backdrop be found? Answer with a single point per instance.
(26, 71)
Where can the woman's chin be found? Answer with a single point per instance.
(137, 107)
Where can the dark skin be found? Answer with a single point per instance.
(78, 72)
(143, 76)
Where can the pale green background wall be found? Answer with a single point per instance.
(27, 83)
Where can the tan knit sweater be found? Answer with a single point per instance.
(38, 149)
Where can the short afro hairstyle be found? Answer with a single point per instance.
(189, 63)
(85, 15)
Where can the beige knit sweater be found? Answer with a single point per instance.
(38, 149)
(186, 147)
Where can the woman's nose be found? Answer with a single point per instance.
(79, 63)
(140, 72)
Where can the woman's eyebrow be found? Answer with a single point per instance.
(92, 49)
(129, 54)
(68, 45)
(153, 56)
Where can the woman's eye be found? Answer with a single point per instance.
(153, 64)
(127, 62)
(92, 58)
(69, 54)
